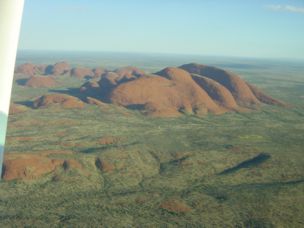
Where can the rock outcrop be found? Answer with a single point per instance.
(58, 69)
(62, 100)
(81, 72)
(41, 82)
(169, 93)
(189, 89)
(237, 87)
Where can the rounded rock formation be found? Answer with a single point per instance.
(169, 93)
(27, 69)
(238, 87)
(41, 82)
(58, 69)
(27, 166)
(129, 72)
(216, 91)
(191, 88)
(63, 100)
(81, 73)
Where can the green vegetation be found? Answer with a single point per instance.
(156, 160)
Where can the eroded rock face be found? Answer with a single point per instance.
(63, 100)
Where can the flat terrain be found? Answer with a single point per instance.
(129, 170)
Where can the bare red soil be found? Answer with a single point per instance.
(27, 166)
(108, 140)
(175, 206)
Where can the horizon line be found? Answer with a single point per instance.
(164, 53)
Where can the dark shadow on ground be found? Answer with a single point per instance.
(22, 81)
(171, 165)
(139, 107)
(25, 103)
(257, 160)
(70, 91)
(267, 185)
(106, 147)
(75, 92)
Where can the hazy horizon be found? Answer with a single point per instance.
(259, 29)
(44, 51)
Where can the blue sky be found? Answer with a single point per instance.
(259, 28)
